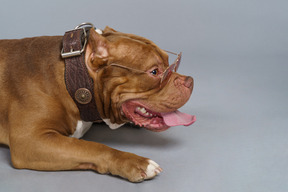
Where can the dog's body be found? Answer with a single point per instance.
(38, 116)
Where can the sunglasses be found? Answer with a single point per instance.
(164, 77)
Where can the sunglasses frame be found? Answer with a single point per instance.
(167, 72)
(172, 68)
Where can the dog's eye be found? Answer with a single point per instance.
(154, 72)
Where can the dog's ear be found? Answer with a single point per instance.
(108, 29)
(99, 54)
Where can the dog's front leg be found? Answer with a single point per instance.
(50, 150)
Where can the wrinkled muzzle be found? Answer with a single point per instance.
(160, 110)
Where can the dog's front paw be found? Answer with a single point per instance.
(136, 168)
(152, 170)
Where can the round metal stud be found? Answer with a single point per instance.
(83, 96)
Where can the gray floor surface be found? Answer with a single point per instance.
(237, 52)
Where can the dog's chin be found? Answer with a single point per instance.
(140, 115)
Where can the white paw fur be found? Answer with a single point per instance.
(152, 170)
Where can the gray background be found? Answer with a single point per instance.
(237, 53)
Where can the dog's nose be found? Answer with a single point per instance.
(187, 81)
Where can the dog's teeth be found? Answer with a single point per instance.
(143, 110)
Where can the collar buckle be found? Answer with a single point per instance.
(73, 52)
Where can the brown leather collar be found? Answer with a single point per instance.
(78, 82)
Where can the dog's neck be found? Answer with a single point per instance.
(78, 82)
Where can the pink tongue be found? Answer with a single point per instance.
(178, 118)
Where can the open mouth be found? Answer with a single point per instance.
(142, 116)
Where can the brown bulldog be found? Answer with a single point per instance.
(48, 102)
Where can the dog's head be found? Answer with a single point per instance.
(133, 81)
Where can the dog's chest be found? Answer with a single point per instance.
(81, 128)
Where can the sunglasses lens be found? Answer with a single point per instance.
(172, 68)
(167, 73)
(178, 60)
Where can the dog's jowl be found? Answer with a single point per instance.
(53, 88)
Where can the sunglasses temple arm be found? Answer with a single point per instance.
(170, 52)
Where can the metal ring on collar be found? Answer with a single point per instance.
(85, 24)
